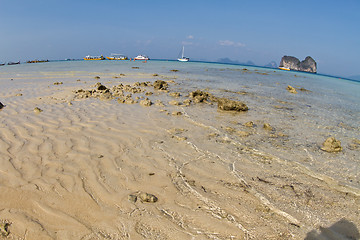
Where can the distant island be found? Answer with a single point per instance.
(272, 64)
(292, 63)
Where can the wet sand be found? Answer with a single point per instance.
(79, 168)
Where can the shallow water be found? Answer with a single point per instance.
(330, 107)
(107, 149)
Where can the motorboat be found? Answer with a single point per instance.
(37, 61)
(115, 56)
(88, 57)
(284, 68)
(141, 57)
(13, 63)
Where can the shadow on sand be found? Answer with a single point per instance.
(341, 230)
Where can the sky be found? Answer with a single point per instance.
(241, 30)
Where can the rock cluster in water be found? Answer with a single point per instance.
(307, 65)
(124, 94)
(231, 105)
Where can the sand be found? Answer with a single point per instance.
(79, 169)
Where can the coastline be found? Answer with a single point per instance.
(67, 172)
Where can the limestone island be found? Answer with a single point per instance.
(292, 63)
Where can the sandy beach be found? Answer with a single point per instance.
(133, 161)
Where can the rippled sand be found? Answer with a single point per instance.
(67, 172)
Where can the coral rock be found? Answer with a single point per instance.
(332, 145)
(230, 105)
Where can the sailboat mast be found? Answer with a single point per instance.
(182, 55)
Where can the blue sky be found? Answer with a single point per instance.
(259, 31)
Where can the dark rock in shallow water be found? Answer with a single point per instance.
(199, 96)
(307, 65)
(160, 85)
(230, 105)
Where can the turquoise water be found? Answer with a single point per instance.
(329, 107)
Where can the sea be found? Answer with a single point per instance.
(324, 106)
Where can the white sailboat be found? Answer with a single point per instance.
(183, 59)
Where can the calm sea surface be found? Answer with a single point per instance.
(323, 107)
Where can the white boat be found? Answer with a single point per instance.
(183, 59)
(116, 56)
(141, 57)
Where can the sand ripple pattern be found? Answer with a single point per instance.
(67, 172)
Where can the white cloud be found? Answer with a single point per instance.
(231, 43)
(190, 37)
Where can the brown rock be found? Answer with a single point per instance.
(249, 124)
(199, 96)
(99, 86)
(332, 145)
(174, 94)
(230, 105)
(268, 127)
(176, 113)
(146, 102)
(291, 89)
(147, 197)
(160, 85)
(37, 110)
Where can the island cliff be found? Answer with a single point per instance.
(307, 65)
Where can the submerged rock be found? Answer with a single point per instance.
(199, 96)
(291, 89)
(174, 94)
(37, 110)
(268, 127)
(146, 102)
(231, 105)
(332, 145)
(249, 124)
(99, 86)
(160, 85)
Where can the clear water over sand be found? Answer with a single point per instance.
(67, 172)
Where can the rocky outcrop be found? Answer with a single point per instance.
(307, 65)
(332, 145)
(230, 105)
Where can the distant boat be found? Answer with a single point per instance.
(183, 59)
(115, 56)
(2, 64)
(284, 68)
(37, 61)
(141, 57)
(88, 57)
(13, 63)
